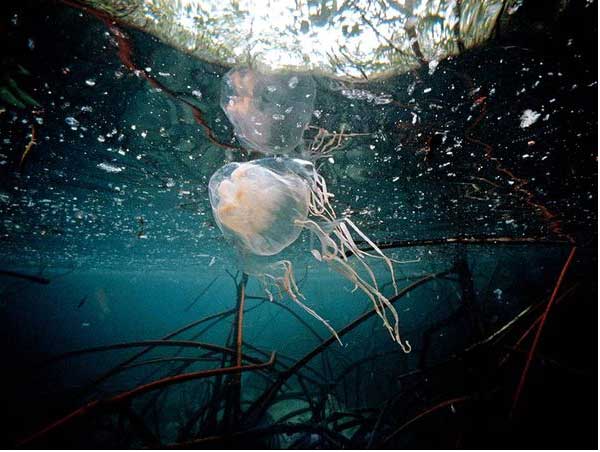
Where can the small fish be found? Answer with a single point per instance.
(82, 302)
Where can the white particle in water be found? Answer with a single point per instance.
(529, 117)
(383, 99)
(433, 64)
(109, 168)
(90, 82)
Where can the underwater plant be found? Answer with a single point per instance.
(263, 205)
(269, 112)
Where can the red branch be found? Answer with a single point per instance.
(425, 413)
(534, 324)
(539, 330)
(519, 182)
(32, 142)
(127, 395)
(125, 53)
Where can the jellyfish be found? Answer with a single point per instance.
(262, 206)
(269, 112)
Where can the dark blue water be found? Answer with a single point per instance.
(107, 237)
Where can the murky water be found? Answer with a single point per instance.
(477, 175)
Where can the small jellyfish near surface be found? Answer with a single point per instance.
(269, 112)
(263, 205)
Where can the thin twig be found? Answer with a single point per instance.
(425, 413)
(539, 330)
(127, 395)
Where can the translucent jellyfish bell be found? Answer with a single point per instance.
(262, 206)
(269, 112)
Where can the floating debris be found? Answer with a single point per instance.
(529, 117)
(109, 168)
(70, 120)
(362, 94)
(32, 278)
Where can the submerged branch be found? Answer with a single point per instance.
(127, 395)
(32, 278)
(188, 307)
(466, 241)
(264, 431)
(538, 333)
(424, 413)
(256, 411)
(161, 343)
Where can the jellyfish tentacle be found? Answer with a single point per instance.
(288, 282)
(319, 189)
(347, 241)
(380, 302)
(320, 198)
(262, 207)
(318, 317)
(321, 208)
(386, 259)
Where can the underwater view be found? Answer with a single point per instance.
(305, 224)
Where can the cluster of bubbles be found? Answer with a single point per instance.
(263, 205)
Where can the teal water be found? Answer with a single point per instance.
(110, 207)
